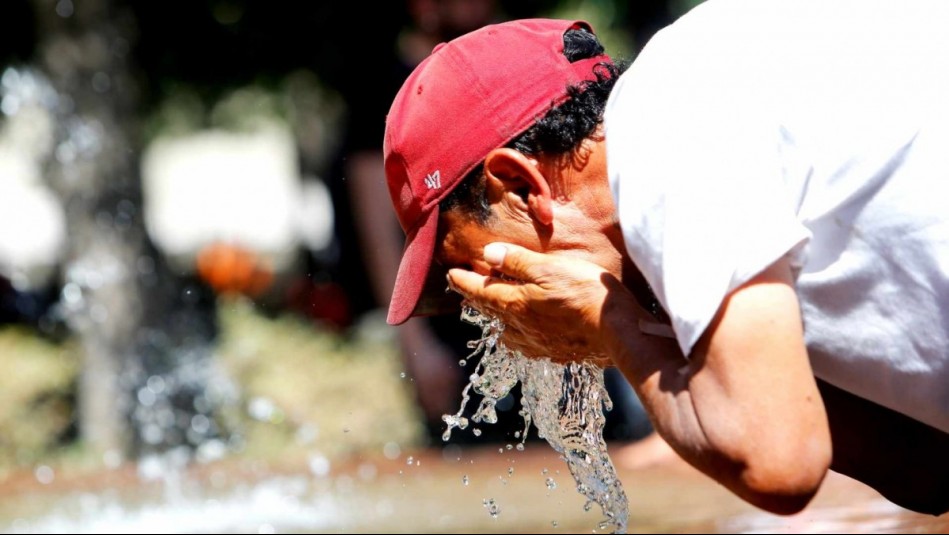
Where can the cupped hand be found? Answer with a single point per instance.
(551, 305)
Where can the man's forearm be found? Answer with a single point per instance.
(739, 409)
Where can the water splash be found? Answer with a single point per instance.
(564, 402)
(493, 509)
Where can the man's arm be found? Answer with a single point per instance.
(744, 408)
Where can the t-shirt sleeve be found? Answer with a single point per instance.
(695, 169)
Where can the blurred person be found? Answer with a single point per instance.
(430, 348)
(745, 222)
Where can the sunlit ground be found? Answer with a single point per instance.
(331, 443)
(371, 493)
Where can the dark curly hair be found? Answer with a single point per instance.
(560, 131)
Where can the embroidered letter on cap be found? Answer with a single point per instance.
(434, 180)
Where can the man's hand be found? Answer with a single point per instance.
(551, 305)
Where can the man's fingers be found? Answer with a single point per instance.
(494, 254)
(513, 260)
(465, 282)
(482, 290)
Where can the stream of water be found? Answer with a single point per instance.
(564, 402)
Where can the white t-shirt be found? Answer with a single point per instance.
(752, 129)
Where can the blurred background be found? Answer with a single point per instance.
(196, 254)
(196, 249)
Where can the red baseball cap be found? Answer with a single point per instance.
(470, 96)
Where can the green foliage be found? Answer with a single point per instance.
(323, 393)
(606, 17)
(320, 392)
(680, 7)
(37, 392)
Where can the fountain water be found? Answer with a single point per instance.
(564, 402)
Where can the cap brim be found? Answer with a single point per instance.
(420, 284)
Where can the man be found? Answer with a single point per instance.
(766, 169)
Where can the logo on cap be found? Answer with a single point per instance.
(434, 180)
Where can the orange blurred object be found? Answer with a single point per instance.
(230, 268)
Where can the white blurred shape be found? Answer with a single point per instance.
(223, 186)
(32, 222)
(315, 214)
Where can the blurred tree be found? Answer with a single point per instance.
(146, 332)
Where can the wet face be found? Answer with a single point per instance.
(461, 241)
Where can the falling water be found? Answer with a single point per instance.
(564, 402)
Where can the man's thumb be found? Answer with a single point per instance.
(494, 254)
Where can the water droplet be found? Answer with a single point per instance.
(200, 424)
(476, 432)
(462, 362)
(492, 507)
(319, 465)
(391, 451)
(464, 480)
(261, 409)
(545, 471)
(509, 447)
(367, 471)
(520, 446)
(64, 8)
(145, 265)
(551, 484)
(44, 474)
(517, 434)
(306, 434)
(146, 397)
(553, 523)
(112, 459)
(72, 294)
(156, 384)
(10, 105)
(510, 471)
(101, 82)
(402, 375)
(410, 460)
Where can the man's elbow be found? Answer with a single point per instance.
(785, 482)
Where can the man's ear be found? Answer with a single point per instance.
(517, 179)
